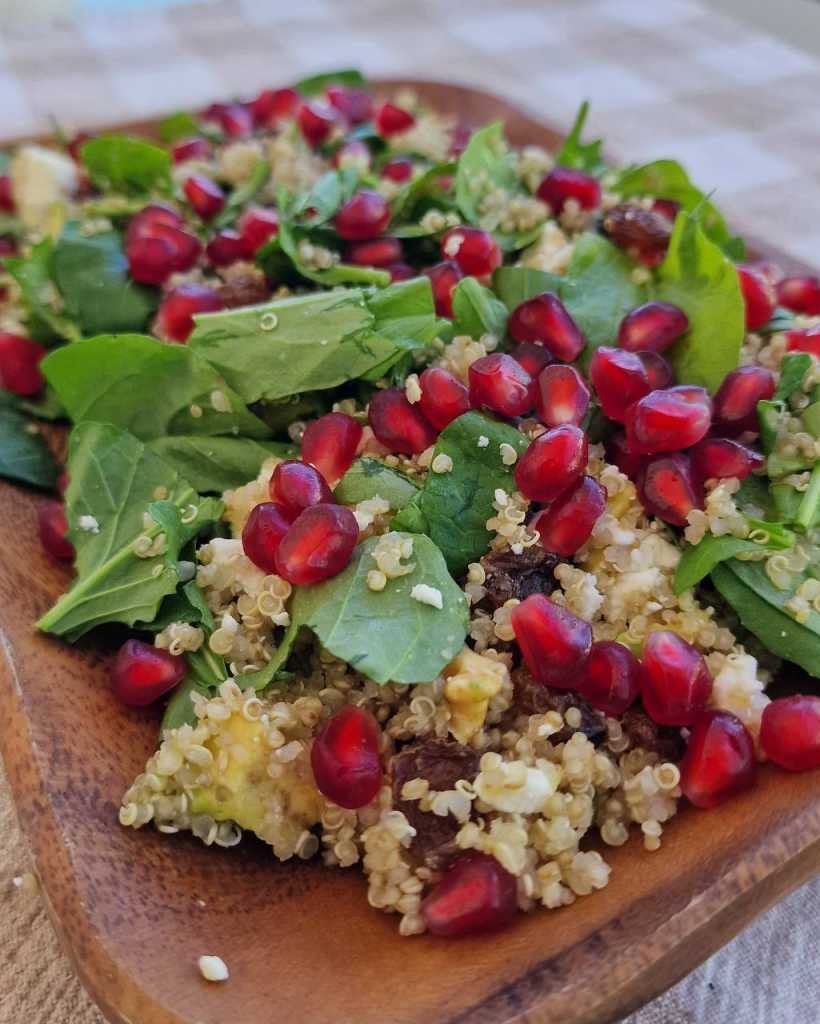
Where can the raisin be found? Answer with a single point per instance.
(533, 698)
(643, 233)
(517, 576)
(663, 740)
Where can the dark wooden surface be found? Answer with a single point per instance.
(302, 945)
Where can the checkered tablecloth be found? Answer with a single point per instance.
(665, 78)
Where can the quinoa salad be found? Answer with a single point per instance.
(456, 503)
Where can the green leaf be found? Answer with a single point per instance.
(387, 635)
(584, 156)
(792, 371)
(178, 126)
(34, 275)
(453, 508)
(24, 455)
(422, 186)
(91, 272)
(118, 163)
(331, 191)
(809, 507)
(187, 604)
(697, 277)
(287, 242)
(316, 84)
(243, 194)
(476, 311)
(114, 478)
(698, 560)
(46, 407)
(404, 314)
(514, 285)
(215, 464)
(206, 671)
(368, 478)
(145, 386)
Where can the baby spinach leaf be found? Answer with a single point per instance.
(287, 241)
(34, 274)
(47, 407)
(453, 508)
(242, 195)
(91, 272)
(514, 285)
(24, 455)
(146, 386)
(584, 156)
(368, 478)
(215, 464)
(325, 197)
(387, 635)
(404, 314)
(118, 163)
(476, 311)
(408, 195)
(114, 478)
(316, 84)
(698, 560)
(702, 281)
(178, 126)
(486, 164)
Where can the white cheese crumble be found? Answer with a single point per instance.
(213, 968)
(442, 463)
(483, 441)
(89, 524)
(425, 594)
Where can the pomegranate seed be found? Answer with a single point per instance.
(235, 119)
(675, 682)
(619, 379)
(76, 144)
(330, 444)
(20, 364)
(225, 248)
(652, 327)
(316, 121)
(54, 531)
(6, 194)
(353, 153)
(400, 426)
(362, 217)
(355, 105)
(658, 370)
(499, 383)
(296, 486)
(318, 545)
(205, 196)
(716, 458)
(380, 252)
(444, 277)
(141, 673)
(562, 396)
(737, 398)
(806, 339)
(345, 757)
(563, 183)
(758, 295)
(443, 397)
(790, 732)
(568, 522)
(191, 149)
(265, 527)
(391, 120)
(273, 105)
(153, 258)
(474, 250)
(552, 463)
(668, 420)
(772, 271)
(669, 489)
(801, 294)
(621, 455)
(554, 642)
(175, 317)
(644, 234)
(151, 217)
(401, 272)
(8, 246)
(611, 680)
(459, 137)
(257, 225)
(546, 321)
(719, 761)
(399, 169)
(476, 894)
(534, 358)
(668, 208)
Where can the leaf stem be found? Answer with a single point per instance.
(807, 509)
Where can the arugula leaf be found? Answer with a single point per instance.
(514, 285)
(145, 386)
(584, 156)
(206, 671)
(387, 635)
(91, 272)
(476, 311)
(178, 126)
(368, 478)
(118, 163)
(698, 560)
(34, 275)
(316, 84)
(114, 478)
(24, 455)
(244, 193)
(453, 508)
(703, 282)
(187, 604)
(215, 464)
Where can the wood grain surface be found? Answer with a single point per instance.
(136, 909)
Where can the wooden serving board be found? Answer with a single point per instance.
(136, 909)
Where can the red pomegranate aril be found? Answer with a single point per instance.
(353, 153)
(805, 339)
(499, 383)
(652, 327)
(619, 378)
(6, 194)
(398, 425)
(758, 295)
(554, 642)
(391, 120)
(263, 531)
(152, 258)
(296, 486)
(534, 358)
(473, 249)
(444, 277)
(669, 489)
(476, 894)
(566, 525)
(149, 219)
(330, 444)
(552, 463)
(719, 761)
(363, 217)
(737, 398)
(20, 365)
(175, 317)
(355, 105)
(658, 370)
(621, 455)
(400, 272)
(53, 527)
(668, 420)
(675, 682)
(790, 732)
(379, 252)
(319, 544)
(716, 458)
(273, 105)
(668, 208)
(563, 183)
(142, 673)
(226, 247)
(800, 294)
(257, 225)
(443, 397)
(546, 321)
(316, 122)
(611, 680)
(399, 169)
(191, 149)
(206, 197)
(235, 120)
(345, 757)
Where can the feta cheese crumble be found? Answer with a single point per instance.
(425, 594)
